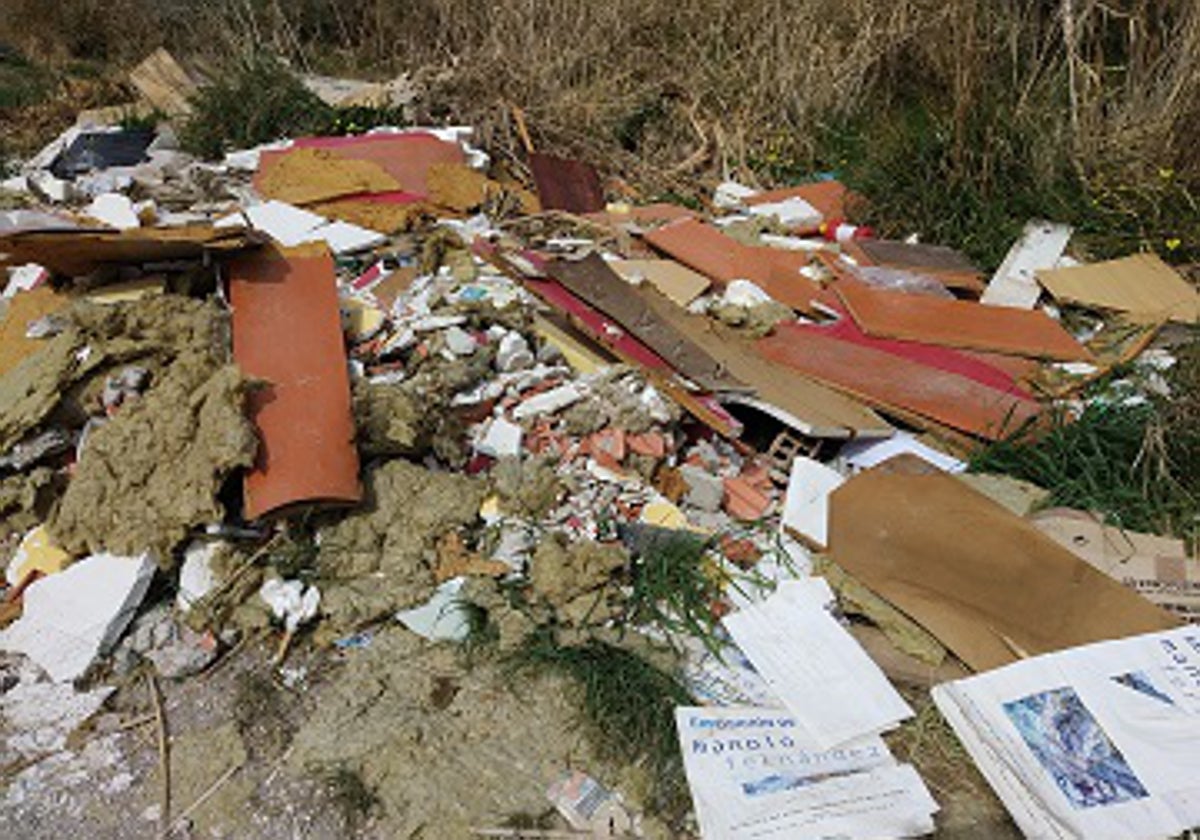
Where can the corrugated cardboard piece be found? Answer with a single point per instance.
(678, 282)
(986, 583)
(957, 323)
(1158, 567)
(1142, 285)
(287, 332)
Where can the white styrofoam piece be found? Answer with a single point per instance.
(75, 615)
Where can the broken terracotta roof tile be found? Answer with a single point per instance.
(287, 332)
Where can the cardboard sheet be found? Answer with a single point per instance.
(723, 259)
(986, 583)
(676, 281)
(802, 403)
(892, 382)
(1158, 567)
(22, 308)
(1142, 285)
(82, 251)
(958, 323)
(287, 332)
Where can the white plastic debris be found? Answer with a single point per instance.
(114, 210)
(76, 615)
(291, 601)
(791, 212)
(513, 353)
(442, 617)
(744, 293)
(196, 576)
(729, 195)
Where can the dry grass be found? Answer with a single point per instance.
(681, 92)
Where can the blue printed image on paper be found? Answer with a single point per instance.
(1072, 747)
(1140, 682)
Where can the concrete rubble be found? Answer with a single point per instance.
(540, 481)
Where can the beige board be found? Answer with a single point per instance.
(1142, 285)
(989, 585)
(676, 281)
(1157, 567)
(164, 83)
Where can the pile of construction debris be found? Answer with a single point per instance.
(374, 395)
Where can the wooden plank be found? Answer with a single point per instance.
(959, 323)
(813, 409)
(888, 381)
(591, 280)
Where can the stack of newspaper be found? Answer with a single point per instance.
(807, 761)
(1099, 742)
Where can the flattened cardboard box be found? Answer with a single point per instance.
(1157, 567)
(986, 583)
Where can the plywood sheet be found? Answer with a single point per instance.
(987, 584)
(287, 332)
(82, 251)
(1142, 285)
(959, 323)
(164, 83)
(890, 381)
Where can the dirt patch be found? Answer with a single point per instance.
(441, 749)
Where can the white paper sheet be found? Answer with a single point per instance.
(1099, 742)
(815, 667)
(750, 778)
